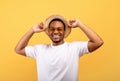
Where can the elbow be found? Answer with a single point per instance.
(100, 43)
(16, 50)
(20, 51)
(93, 46)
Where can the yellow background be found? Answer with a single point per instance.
(18, 16)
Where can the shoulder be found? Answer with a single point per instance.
(38, 46)
(77, 42)
(41, 45)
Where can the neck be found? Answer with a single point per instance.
(58, 43)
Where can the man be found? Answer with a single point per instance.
(58, 61)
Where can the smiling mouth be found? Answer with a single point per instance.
(56, 36)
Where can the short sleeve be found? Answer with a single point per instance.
(30, 51)
(81, 47)
(36, 50)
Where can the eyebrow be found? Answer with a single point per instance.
(53, 27)
(57, 19)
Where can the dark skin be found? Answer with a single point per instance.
(56, 34)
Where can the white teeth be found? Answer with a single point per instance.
(56, 36)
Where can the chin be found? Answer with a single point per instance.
(56, 41)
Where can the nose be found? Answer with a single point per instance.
(55, 31)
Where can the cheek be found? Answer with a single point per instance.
(49, 33)
(62, 32)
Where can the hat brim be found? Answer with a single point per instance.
(52, 17)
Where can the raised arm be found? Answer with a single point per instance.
(94, 40)
(20, 48)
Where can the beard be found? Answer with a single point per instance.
(57, 38)
(57, 41)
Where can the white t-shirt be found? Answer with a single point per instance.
(57, 63)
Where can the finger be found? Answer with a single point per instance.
(69, 25)
(40, 24)
(72, 21)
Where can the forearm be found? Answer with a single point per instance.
(93, 36)
(94, 39)
(23, 42)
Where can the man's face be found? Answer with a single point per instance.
(56, 31)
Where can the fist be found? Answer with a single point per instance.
(38, 27)
(73, 23)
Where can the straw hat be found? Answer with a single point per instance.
(52, 17)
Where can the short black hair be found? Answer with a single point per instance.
(57, 19)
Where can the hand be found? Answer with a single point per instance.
(73, 23)
(38, 27)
